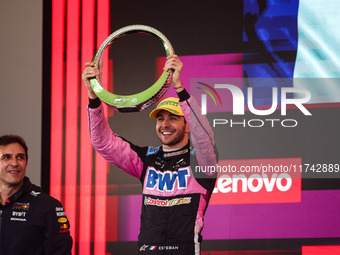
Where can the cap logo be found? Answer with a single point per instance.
(171, 110)
(168, 103)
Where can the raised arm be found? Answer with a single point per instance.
(108, 144)
(202, 136)
(89, 72)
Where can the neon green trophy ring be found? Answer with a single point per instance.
(144, 99)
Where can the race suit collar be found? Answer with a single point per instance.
(176, 152)
(23, 190)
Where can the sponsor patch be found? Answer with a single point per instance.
(59, 209)
(176, 153)
(62, 220)
(18, 215)
(143, 247)
(167, 202)
(21, 206)
(167, 180)
(35, 193)
(64, 228)
(18, 219)
(60, 214)
(152, 150)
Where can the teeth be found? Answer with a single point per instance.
(166, 133)
(14, 172)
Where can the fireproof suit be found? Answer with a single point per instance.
(33, 223)
(175, 197)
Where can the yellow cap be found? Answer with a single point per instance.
(170, 104)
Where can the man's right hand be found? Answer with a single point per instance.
(89, 72)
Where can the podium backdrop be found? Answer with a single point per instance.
(286, 43)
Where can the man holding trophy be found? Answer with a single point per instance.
(174, 196)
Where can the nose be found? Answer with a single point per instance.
(14, 162)
(166, 122)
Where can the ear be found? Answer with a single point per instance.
(187, 128)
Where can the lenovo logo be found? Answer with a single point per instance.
(249, 185)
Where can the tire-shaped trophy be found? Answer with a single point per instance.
(144, 99)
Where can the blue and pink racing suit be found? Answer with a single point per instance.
(175, 196)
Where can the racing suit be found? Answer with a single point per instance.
(174, 196)
(33, 223)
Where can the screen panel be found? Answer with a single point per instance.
(224, 42)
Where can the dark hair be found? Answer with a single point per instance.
(9, 139)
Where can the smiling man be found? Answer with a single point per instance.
(13, 169)
(171, 126)
(31, 222)
(174, 197)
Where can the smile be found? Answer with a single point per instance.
(14, 172)
(167, 133)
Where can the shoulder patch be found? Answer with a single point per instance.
(35, 193)
(192, 152)
(152, 150)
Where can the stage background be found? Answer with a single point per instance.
(242, 39)
(21, 77)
